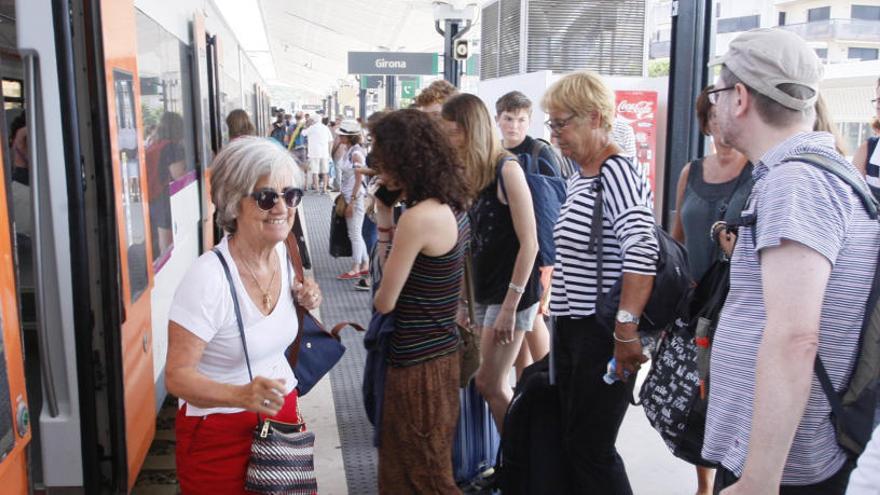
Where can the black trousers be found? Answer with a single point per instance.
(835, 485)
(592, 410)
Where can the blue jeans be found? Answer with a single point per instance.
(369, 232)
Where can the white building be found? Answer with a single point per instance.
(844, 33)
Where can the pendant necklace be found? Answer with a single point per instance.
(267, 299)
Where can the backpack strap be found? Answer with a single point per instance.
(499, 178)
(554, 169)
(846, 174)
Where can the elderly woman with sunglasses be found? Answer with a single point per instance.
(581, 111)
(255, 186)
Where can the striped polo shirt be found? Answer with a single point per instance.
(798, 202)
(628, 238)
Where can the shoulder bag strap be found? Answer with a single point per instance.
(595, 245)
(237, 308)
(238, 319)
(296, 260)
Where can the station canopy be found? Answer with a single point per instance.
(301, 48)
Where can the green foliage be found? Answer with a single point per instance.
(658, 67)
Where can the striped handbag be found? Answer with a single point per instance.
(282, 458)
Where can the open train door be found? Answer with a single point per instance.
(204, 90)
(125, 130)
(15, 431)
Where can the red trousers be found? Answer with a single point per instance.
(212, 451)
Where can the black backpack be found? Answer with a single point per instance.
(853, 409)
(673, 283)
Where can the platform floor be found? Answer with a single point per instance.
(345, 458)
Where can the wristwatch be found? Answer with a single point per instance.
(625, 317)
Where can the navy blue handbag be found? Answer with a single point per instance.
(315, 350)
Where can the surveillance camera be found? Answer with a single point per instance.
(463, 10)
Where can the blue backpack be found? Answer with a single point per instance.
(548, 193)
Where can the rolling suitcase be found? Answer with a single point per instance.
(530, 459)
(476, 437)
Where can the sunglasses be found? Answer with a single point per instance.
(267, 198)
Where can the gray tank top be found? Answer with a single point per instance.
(704, 204)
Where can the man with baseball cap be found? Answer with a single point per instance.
(800, 276)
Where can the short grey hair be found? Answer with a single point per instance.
(238, 168)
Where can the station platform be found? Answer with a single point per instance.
(345, 460)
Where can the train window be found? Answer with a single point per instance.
(13, 96)
(132, 196)
(166, 103)
(7, 432)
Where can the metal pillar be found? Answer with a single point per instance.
(362, 101)
(336, 103)
(451, 66)
(390, 92)
(690, 53)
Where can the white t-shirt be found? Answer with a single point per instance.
(319, 137)
(203, 306)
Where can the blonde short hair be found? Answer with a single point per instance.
(581, 93)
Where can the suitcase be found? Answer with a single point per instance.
(476, 437)
(530, 460)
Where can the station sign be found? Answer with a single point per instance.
(393, 63)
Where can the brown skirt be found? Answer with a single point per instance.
(420, 413)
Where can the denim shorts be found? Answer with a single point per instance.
(485, 314)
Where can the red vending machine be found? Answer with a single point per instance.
(639, 110)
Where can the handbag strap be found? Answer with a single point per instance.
(238, 319)
(237, 308)
(296, 260)
(469, 287)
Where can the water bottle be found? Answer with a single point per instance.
(610, 376)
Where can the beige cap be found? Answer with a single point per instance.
(765, 58)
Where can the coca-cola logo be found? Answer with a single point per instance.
(639, 110)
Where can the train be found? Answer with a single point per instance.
(105, 203)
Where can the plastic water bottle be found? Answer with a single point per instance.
(610, 376)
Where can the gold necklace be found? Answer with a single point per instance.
(267, 299)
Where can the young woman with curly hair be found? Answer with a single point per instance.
(422, 260)
(504, 246)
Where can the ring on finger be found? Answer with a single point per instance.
(266, 403)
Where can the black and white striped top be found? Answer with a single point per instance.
(629, 244)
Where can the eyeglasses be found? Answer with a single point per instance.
(713, 95)
(267, 198)
(558, 125)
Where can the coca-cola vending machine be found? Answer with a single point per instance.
(639, 110)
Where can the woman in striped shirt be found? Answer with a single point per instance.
(581, 111)
(422, 264)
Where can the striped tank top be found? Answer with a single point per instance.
(426, 308)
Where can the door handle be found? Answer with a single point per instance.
(35, 140)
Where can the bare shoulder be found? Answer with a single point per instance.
(860, 159)
(434, 222)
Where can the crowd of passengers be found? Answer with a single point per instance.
(799, 280)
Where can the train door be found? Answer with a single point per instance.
(203, 94)
(124, 128)
(15, 431)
